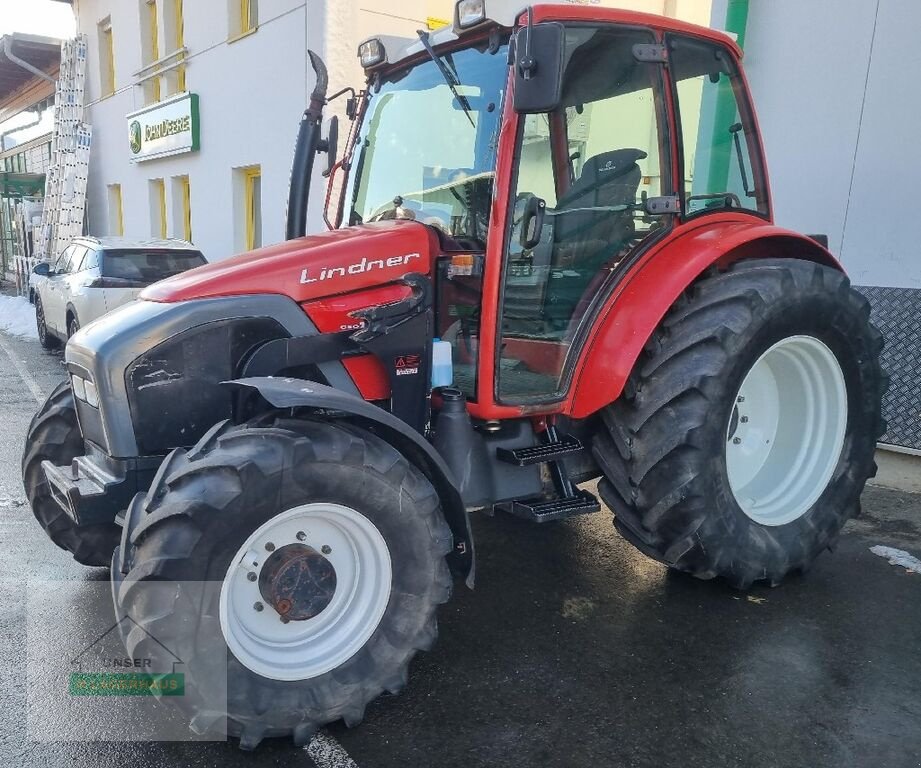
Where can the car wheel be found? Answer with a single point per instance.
(73, 325)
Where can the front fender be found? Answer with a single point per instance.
(299, 393)
(642, 297)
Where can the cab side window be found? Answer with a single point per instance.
(722, 159)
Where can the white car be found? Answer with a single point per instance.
(93, 276)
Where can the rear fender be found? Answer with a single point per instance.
(298, 393)
(645, 294)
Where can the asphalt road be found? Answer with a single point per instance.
(574, 650)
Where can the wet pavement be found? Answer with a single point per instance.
(574, 650)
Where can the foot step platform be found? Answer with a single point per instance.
(539, 454)
(545, 510)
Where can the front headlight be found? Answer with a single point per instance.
(371, 53)
(79, 386)
(92, 397)
(470, 13)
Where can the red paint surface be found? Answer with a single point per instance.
(334, 314)
(360, 257)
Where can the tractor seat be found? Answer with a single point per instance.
(607, 180)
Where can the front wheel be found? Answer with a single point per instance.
(748, 428)
(54, 435)
(325, 551)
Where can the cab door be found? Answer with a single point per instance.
(588, 167)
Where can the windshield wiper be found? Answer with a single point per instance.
(450, 78)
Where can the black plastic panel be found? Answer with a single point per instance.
(174, 389)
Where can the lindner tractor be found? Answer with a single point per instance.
(574, 202)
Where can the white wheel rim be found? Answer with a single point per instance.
(299, 650)
(786, 430)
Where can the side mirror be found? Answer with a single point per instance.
(538, 67)
(532, 222)
(43, 268)
(330, 145)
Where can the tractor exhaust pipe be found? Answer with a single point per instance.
(308, 139)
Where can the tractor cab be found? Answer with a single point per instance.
(547, 152)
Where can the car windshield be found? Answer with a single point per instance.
(424, 154)
(148, 266)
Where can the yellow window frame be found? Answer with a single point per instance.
(249, 204)
(119, 209)
(160, 184)
(247, 22)
(186, 191)
(109, 87)
(154, 45)
(180, 42)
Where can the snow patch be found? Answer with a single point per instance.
(898, 557)
(17, 317)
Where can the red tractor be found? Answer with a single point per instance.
(574, 202)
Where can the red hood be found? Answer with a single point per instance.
(311, 267)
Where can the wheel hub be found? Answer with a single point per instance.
(305, 591)
(298, 582)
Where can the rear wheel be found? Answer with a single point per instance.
(747, 430)
(45, 338)
(325, 551)
(55, 435)
(73, 325)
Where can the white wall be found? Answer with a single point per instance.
(835, 92)
(252, 93)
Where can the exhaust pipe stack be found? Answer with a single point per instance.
(308, 140)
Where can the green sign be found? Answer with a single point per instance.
(126, 684)
(166, 128)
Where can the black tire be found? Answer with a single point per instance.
(45, 337)
(203, 505)
(73, 325)
(662, 448)
(55, 435)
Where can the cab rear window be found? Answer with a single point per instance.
(148, 266)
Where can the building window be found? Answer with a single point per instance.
(250, 184)
(182, 208)
(106, 58)
(150, 48)
(244, 17)
(158, 208)
(116, 210)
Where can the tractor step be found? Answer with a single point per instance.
(545, 510)
(540, 454)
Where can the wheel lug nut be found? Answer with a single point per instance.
(301, 536)
(251, 576)
(284, 619)
(736, 440)
(744, 419)
(258, 606)
(326, 549)
(269, 546)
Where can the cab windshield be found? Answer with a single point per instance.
(424, 154)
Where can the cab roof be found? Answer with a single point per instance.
(511, 13)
